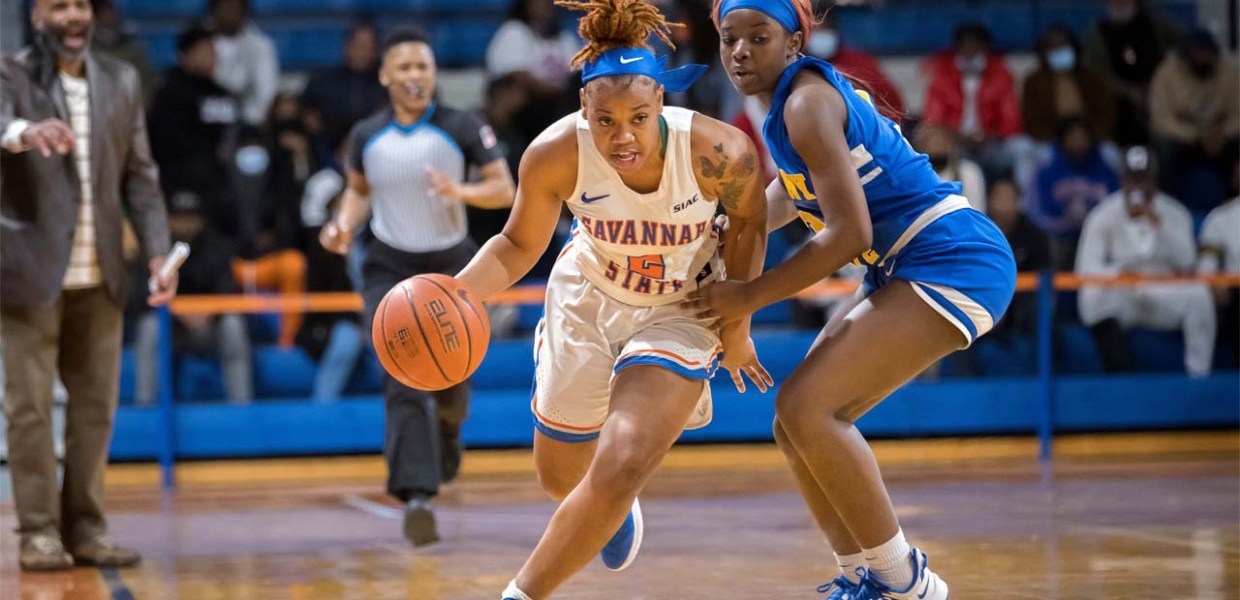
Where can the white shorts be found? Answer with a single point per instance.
(586, 338)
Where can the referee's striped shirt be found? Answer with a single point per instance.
(394, 158)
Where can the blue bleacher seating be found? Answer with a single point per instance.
(308, 32)
(1074, 350)
(1157, 351)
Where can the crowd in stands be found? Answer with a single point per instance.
(1107, 158)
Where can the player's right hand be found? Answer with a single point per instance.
(48, 136)
(740, 356)
(335, 239)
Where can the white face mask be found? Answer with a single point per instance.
(824, 43)
(971, 65)
(1061, 59)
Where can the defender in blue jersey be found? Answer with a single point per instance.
(939, 275)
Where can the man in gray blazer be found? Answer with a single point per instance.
(74, 145)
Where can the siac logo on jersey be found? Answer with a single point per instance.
(686, 204)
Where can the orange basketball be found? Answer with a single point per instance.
(430, 332)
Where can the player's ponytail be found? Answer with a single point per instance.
(617, 24)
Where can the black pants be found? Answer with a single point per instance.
(422, 438)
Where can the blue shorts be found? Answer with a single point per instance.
(961, 265)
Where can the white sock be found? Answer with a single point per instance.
(512, 591)
(849, 564)
(891, 562)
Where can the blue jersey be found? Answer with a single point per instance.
(899, 183)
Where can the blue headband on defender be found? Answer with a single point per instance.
(641, 61)
(780, 10)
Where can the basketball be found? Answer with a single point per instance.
(430, 332)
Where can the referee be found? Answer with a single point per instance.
(406, 171)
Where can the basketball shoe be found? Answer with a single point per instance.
(622, 548)
(926, 584)
(842, 589)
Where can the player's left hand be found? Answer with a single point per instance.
(443, 185)
(163, 289)
(722, 300)
(739, 356)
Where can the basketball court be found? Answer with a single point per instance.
(1118, 516)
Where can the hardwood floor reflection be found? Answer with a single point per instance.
(722, 523)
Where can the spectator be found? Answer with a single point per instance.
(1069, 186)
(1062, 88)
(342, 95)
(1030, 246)
(205, 272)
(1124, 49)
(941, 145)
(1220, 253)
(828, 44)
(1139, 230)
(504, 99)
(334, 340)
(406, 177)
(116, 37)
(533, 48)
(972, 92)
(269, 257)
(66, 186)
(1195, 112)
(246, 63)
(193, 124)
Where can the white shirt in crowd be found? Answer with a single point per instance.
(1221, 234)
(1113, 243)
(516, 47)
(246, 65)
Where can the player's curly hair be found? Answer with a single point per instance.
(611, 24)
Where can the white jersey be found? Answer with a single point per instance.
(643, 249)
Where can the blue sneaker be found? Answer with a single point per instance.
(926, 584)
(622, 548)
(842, 589)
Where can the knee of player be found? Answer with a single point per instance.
(624, 469)
(798, 406)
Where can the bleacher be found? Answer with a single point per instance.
(309, 33)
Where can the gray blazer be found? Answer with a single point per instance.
(39, 197)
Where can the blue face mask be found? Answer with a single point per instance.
(1061, 59)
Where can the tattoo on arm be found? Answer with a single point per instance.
(732, 176)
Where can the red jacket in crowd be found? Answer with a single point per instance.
(997, 105)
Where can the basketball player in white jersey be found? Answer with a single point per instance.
(622, 365)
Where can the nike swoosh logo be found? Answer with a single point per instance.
(625, 61)
(588, 200)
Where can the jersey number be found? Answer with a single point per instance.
(650, 265)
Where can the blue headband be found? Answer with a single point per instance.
(781, 10)
(641, 61)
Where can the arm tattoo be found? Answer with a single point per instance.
(732, 176)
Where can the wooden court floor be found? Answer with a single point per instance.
(1132, 516)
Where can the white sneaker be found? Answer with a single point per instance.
(926, 584)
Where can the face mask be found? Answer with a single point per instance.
(1061, 59)
(1121, 14)
(824, 44)
(971, 65)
